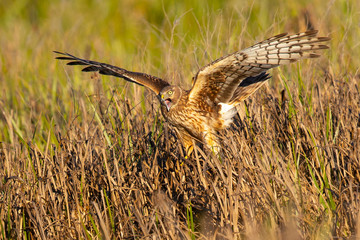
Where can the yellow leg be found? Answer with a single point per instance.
(212, 143)
(188, 144)
(189, 149)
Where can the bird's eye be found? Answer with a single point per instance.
(170, 92)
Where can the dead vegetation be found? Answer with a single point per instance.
(89, 158)
(289, 169)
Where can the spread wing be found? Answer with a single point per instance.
(154, 83)
(237, 75)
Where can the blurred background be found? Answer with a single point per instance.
(170, 39)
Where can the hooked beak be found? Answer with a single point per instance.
(167, 102)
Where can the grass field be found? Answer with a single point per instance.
(84, 157)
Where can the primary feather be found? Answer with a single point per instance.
(210, 105)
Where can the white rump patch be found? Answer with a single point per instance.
(227, 112)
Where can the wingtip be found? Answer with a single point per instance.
(323, 39)
(280, 35)
(267, 76)
(323, 47)
(90, 69)
(314, 55)
(63, 53)
(312, 32)
(64, 58)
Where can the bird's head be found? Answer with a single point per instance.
(169, 96)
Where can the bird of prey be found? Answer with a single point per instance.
(200, 113)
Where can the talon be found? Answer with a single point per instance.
(189, 150)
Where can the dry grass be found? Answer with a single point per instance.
(90, 158)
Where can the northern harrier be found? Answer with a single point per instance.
(209, 106)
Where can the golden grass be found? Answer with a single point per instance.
(89, 158)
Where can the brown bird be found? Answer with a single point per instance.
(200, 113)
